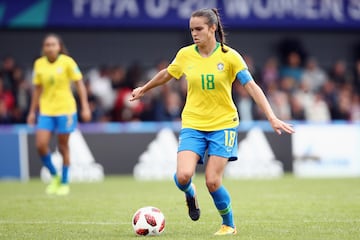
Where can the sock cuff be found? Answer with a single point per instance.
(220, 192)
(46, 157)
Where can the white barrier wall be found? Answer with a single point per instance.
(326, 150)
(315, 150)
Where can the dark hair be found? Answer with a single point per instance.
(213, 17)
(63, 49)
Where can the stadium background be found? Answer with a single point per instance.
(305, 55)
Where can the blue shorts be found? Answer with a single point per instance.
(222, 143)
(58, 124)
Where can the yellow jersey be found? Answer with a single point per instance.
(209, 105)
(55, 78)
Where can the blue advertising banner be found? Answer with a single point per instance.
(307, 14)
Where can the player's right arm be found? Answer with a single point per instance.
(174, 70)
(160, 78)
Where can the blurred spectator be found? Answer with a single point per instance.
(330, 96)
(288, 84)
(6, 71)
(356, 78)
(134, 74)
(4, 114)
(313, 75)
(317, 109)
(302, 101)
(22, 95)
(280, 102)
(7, 103)
(297, 109)
(171, 107)
(117, 76)
(154, 105)
(270, 73)
(158, 67)
(123, 109)
(293, 67)
(6, 96)
(100, 86)
(355, 108)
(339, 74)
(344, 103)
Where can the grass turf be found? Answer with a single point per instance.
(287, 208)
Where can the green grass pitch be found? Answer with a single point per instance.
(287, 208)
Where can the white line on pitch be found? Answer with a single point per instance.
(72, 222)
(63, 222)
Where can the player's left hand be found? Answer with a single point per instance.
(86, 114)
(280, 126)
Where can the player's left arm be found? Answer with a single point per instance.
(259, 97)
(85, 109)
(75, 75)
(240, 70)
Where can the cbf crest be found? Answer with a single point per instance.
(220, 66)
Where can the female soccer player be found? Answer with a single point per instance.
(209, 118)
(52, 77)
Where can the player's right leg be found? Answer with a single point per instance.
(43, 135)
(186, 165)
(192, 146)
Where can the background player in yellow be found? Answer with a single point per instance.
(53, 75)
(209, 118)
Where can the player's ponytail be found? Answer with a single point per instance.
(220, 30)
(213, 17)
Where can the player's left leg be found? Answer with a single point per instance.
(222, 148)
(65, 125)
(213, 175)
(63, 144)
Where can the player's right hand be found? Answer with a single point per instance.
(137, 93)
(31, 118)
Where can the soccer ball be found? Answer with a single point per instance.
(148, 221)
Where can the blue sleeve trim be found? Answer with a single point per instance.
(244, 76)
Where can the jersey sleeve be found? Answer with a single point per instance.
(35, 74)
(239, 68)
(73, 70)
(175, 68)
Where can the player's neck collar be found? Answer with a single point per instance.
(216, 47)
(54, 60)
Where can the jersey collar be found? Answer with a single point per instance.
(55, 59)
(217, 46)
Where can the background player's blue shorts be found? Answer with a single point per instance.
(58, 124)
(221, 143)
